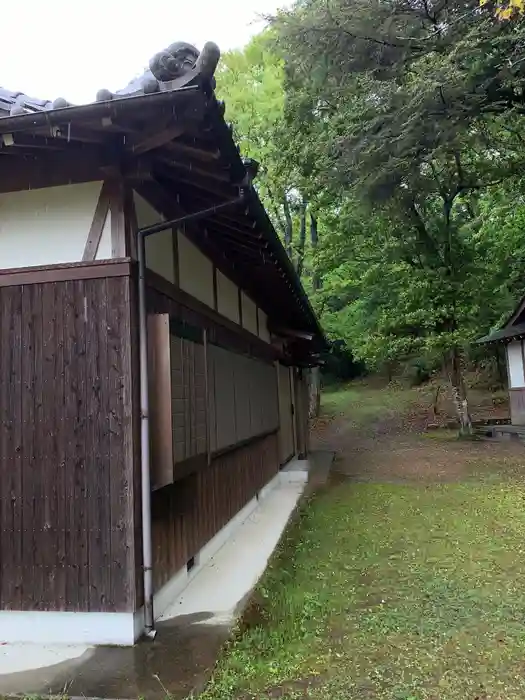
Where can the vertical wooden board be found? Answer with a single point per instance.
(6, 450)
(71, 428)
(43, 543)
(160, 400)
(177, 391)
(285, 414)
(130, 409)
(212, 414)
(47, 439)
(225, 397)
(212, 369)
(18, 457)
(120, 479)
(83, 463)
(238, 391)
(29, 447)
(97, 456)
(135, 444)
(293, 407)
(10, 449)
(189, 404)
(201, 401)
(60, 433)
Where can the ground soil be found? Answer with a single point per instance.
(399, 448)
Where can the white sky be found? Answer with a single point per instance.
(72, 48)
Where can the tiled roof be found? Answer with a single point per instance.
(169, 69)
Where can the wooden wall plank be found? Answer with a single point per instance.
(67, 449)
(60, 432)
(190, 512)
(29, 448)
(71, 430)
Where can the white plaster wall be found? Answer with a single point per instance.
(195, 271)
(227, 298)
(264, 333)
(159, 248)
(249, 314)
(515, 357)
(48, 226)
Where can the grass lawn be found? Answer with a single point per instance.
(361, 402)
(394, 591)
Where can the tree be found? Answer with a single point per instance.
(414, 111)
(251, 83)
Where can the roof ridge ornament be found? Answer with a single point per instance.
(172, 68)
(178, 65)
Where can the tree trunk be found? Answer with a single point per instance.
(302, 240)
(314, 240)
(459, 392)
(501, 365)
(314, 404)
(288, 232)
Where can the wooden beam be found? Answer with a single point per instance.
(70, 133)
(130, 220)
(65, 272)
(175, 242)
(239, 293)
(98, 223)
(166, 169)
(193, 151)
(155, 138)
(120, 247)
(215, 289)
(28, 141)
(213, 174)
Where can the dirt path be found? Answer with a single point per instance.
(396, 449)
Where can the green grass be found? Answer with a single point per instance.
(390, 592)
(362, 403)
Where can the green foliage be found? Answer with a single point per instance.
(390, 136)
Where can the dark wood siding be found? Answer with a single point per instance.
(67, 446)
(188, 513)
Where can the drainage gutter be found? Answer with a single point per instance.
(147, 549)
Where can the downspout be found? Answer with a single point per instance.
(147, 549)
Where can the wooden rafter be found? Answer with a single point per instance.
(213, 174)
(27, 142)
(70, 133)
(193, 151)
(180, 179)
(155, 138)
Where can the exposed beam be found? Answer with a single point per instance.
(167, 170)
(130, 220)
(193, 151)
(214, 173)
(97, 225)
(120, 245)
(26, 141)
(71, 133)
(155, 138)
